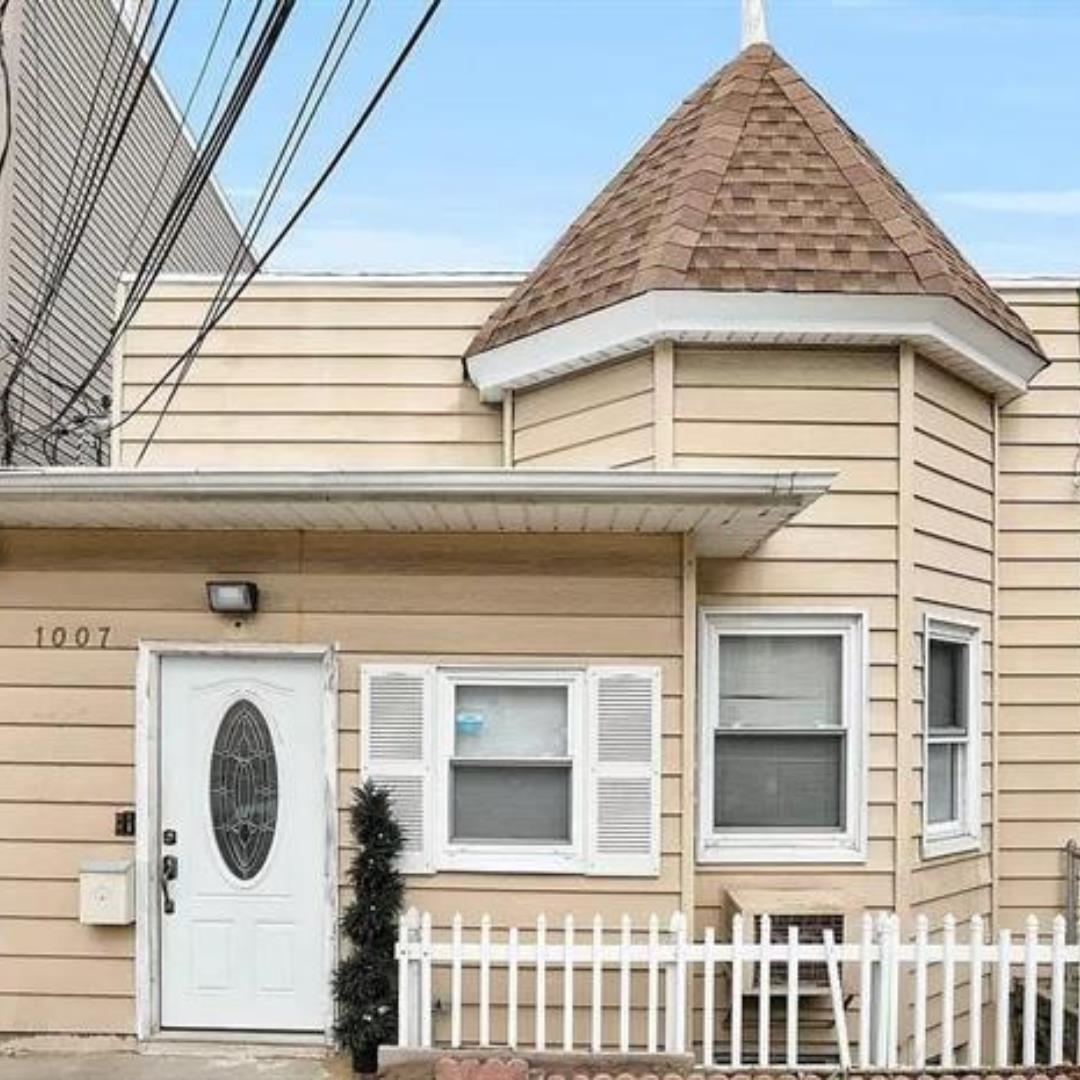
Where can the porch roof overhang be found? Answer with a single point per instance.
(730, 513)
(941, 327)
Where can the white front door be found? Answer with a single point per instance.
(243, 836)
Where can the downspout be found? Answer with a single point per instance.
(688, 814)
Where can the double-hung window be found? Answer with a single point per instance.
(512, 762)
(783, 736)
(952, 697)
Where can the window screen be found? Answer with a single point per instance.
(511, 770)
(780, 741)
(948, 685)
(947, 718)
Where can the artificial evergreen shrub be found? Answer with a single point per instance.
(365, 982)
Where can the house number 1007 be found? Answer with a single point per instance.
(79, 637)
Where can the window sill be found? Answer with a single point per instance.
(510, 861)
(839, 849)
(951, 843)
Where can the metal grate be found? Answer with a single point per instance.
(811, 932)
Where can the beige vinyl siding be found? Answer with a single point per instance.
(953, 553)
(1040, 615)
(66, 716)
(952, 548)
(810, 409)
(348, 374)
(60, 51)
(602, 417)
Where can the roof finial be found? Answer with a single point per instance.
(754, 31)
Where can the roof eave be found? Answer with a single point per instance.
(730, 512)
(943, 328)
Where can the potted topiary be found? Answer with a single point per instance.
(365, 982)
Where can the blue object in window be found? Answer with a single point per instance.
(469, 723)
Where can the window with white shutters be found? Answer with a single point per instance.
(519, 770)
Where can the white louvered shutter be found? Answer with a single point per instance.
(396, 751)
(624, 771)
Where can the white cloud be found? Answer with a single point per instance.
(1065, 203)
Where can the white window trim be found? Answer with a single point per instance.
(510, 858)
(964, 834)
(846, 845)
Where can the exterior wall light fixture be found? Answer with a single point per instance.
(233, 597)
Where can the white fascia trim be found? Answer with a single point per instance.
(1035, 283)
(445, 278)
(437, 485)
(696, 316)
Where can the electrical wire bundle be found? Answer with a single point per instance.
(219, 126)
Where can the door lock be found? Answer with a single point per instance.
(170, 870)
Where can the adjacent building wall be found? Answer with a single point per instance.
(1040, 612)
(317, 372)
(56, 54)
(66, 715)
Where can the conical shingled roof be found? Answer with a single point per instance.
(754, 184)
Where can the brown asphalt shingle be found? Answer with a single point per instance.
(753, 184)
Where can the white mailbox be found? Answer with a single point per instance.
(107, 892)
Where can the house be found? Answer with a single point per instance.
(722, 564)
(65, 62)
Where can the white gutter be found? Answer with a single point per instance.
(436, 485)
(729, 514)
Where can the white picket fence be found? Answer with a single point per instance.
(695, 992)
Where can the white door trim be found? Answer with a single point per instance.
(147, 815)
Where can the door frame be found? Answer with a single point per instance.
(148, 827)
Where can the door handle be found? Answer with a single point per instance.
(170, 870)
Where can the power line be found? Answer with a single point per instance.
(335, 160)
(100, 170)
(196, 177)
(5, 82)
(298, 212)
(328, 66)
(136, 233)
(96, 173)
(86, 127)
(199, 171)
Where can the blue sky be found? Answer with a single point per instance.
(513, 113)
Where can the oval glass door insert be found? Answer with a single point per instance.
(244, 789)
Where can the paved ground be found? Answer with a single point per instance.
(130, 1066)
